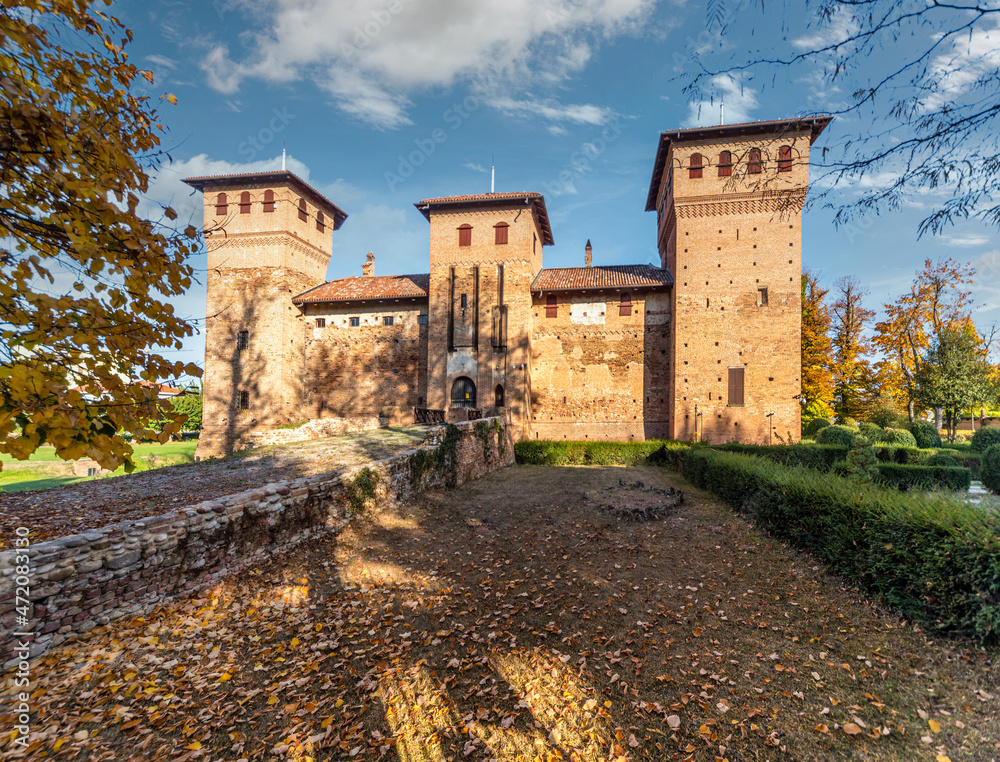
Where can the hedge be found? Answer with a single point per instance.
(907, 477)
(931, 558)
(548, 453)
(819, 457)
(926, 434)
(985, 438)
(967, 459)
(837, 435)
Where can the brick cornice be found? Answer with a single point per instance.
(741, 203)
(271, 238)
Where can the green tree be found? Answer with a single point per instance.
(955, 374)
(189, 403)
(862, 462)
(817, 352)
(852, 370)
(76, 146)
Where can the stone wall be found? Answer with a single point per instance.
(126, 569)
(315, 429)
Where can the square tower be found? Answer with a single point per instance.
(729, 229)
(485, 251)
(268, 236)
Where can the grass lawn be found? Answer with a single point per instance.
(517, 619)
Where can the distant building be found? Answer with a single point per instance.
(705, 346)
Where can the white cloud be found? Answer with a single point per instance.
(164, 63)
(372, 55)
(475, 167)
(558, 131)
(833, 31)
(956, 71)
(740, 102)
(967, 239)
(582, 113)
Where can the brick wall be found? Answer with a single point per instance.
(101, 575)
(597, 374)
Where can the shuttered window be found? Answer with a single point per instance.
(320, 222)
(736, 386)
(625, 306)
(303, 213)
(465, 235)
(696, 164)
(501, 232)
(785, 159)
(725, 164)
(269, 201)
(551, 306)
(245, 202)
(221, 205)
(754, 164)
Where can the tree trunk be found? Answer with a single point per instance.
(938, 412)
(910, 408)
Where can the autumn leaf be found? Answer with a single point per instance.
(193, 746)
(822, 728)
(225, 677)
(172, 99)
(851, 729)
(935, 726)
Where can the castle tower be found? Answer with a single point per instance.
(485, 250)
(729, 219)
(268, 236)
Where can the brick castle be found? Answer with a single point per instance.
(706, 346)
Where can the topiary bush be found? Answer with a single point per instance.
(814, 427)
(989, 469)
(985, 438)
(837, 435)
(872, 432)
(900, 438)
(887, 417)
(862, 465)
(940, 459)
(926, 434)
(847, 421)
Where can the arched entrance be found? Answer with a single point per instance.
(498, 396)
(463, 393)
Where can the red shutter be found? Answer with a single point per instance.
(221, 205)
(320, 222)
(501, 232)
(785, 159)
(736, 386)
(696, 165)
(725, 164)
(551, 306)
(245, 202)
(303, 214)
(754, 163)
(269, 201)
(465, 235)
(625, 306)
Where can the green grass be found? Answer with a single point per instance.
(32, 484)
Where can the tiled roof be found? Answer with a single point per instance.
(771, 126)
(275, 176)
(608, 276)
(486, 199)
(370, 287)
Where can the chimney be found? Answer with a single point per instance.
(368, 268)
(588, 258)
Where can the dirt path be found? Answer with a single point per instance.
(93, 504)
(513, 619)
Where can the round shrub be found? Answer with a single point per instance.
(926, 434)
(847, 421)
(940, 459)
(837, 435)
(872, 432)
(900, 438)
(989, 471)
(815, 426)
(985, 438)
(887, 417)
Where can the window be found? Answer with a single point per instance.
(736, 386)
(725, 164)
(355, 322)
(551, 306)
(753, 162)
(465, 235)
(320, 222)
(465, 301)
(221, 206)
(696, 165)
(762, 296)
(463, 393)
(387, 320)
(269, 201)
(421, 320)
(785, 159)
(243, 403)
(625, 305)
(321, 322)
(245, 202)
(242, 341)
(501, 232)
(534, 242)
(303, 210)
(498, 396)
(92, 471)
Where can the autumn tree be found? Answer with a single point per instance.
(938, 298)
(921, 75)
(817, 352)
(851, 370)
(955, 374)
(85, 275)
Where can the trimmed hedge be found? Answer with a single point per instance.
(900, 437)
(819, 457)
(547, 453)
(814, 427)
(931, 558)
(907, 477)
(991, 469)
(985, 438)
(940, 459)
(967, 459)
(837, 435)
(872, 432)
(926, 434)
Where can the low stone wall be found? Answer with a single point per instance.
(79, 582)
(319, 428)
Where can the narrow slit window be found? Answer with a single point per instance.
(303, 210)
(464, 300)
(221, 205)
(242, 341)
(762, 296)
(785, 159)
(244, 401)
(465, 235)
(269, 201)
(697, 162)
(754, 163)
(501, 232)
(736, 386)
(726, 164)
(551, 306)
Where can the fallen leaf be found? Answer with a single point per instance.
(934, 725)
(674, 721)
(822, 728)
(193, 746)
(851, 729)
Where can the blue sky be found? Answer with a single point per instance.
(381, 103)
